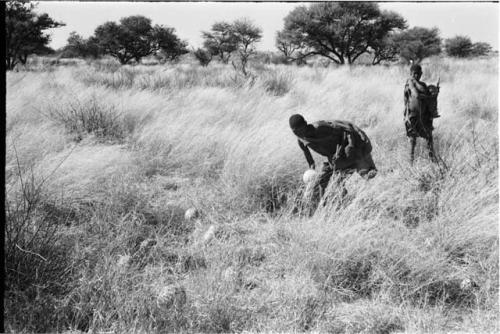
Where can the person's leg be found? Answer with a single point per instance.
(315, 190)
(341, 180)
(343, 169)
(413, 144)
(324, 177)
(430, 147)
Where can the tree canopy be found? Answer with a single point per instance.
(237, 38)
(458, 46)
(481, 49)
(220, 41)
(462, 46)
(418, 43)
(246, 34)
(382, 45)
(130, 39)
(24, 32)
(166, 44)
(134, 38)
(77, 46)
(203, 56)
(339, 31)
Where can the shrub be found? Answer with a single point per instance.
(458, 46)
(278, 83)
(89, 117)
(37, 255)
(203, 56)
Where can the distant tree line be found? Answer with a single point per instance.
(343, 31)
(339, 32)
(133, 38)
(462, 46)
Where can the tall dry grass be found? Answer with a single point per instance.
(104, 160)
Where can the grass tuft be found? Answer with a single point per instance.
(103, 162)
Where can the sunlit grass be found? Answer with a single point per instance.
(114, 155)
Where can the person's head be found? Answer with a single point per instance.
(431, 102)
(298, 124)
(416, 71)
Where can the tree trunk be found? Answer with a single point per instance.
(122, 59)
(10, 62)
(224, 58)
(23, 59)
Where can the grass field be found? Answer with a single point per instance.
(103, 161)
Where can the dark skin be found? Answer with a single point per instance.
(346, 147)
(329, 139)
(416, 86)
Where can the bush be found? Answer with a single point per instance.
(278, 83)
(458, 46)
(89, 117)
(418, 43)
(203, 56)
(37, 255)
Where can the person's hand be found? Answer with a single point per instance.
(349, 152)
(339, 152)
(371, 174)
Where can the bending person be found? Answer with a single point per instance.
(346, 147)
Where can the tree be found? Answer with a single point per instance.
(480, 49)
(24, 32)
(462, 46)
(418, 43)
(288, 45)
(458, 46)
(113, 41)
(91, 47)
(382, 43)
(225, 39)
(220, 41)
(131, 39)
(246, 34)
(203, 56)
(384, 49)
(75, 45)
(166, 44)
(135, 38)
(339, 31)
(79, 47)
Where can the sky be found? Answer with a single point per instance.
(479, 21)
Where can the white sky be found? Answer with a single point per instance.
(479, 21)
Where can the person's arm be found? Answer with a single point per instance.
(418, 87)
(349, 146)
(407, 91)
(343, 146)
(307, 154)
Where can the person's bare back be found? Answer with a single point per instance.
(346, 147)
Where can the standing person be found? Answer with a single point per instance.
(416, 90)
(420, 110)
(346, 147)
